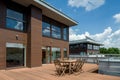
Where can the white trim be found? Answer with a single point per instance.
(14, 45)
(24, 55)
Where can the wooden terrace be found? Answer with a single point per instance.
(47, 72)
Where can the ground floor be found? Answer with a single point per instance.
(47, 72)
(16, 54)
(52, 53)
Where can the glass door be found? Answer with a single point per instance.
(14, 55)
(46, 52)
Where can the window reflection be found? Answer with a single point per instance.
(65, 53)
(89, 46)
(55, 53)
(46, 32)
(56, 32)
(45, 25)
(65, 30)
(45, 29)
(65, 37)
(54, 29)
(14, 54)
(14, 14)
(96, 47)
(65, 33)
(15, 20)
(13, 24)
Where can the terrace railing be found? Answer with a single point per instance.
(95, 58)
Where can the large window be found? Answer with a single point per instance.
(89, 46)
(15, 20)
(45, 29)
(96, 47)
(76, 46)
(54, 29)
(65, 33)
(83, 46)
(56, 32)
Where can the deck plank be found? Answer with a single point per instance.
(47, 72)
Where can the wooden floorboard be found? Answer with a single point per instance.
(47, 72)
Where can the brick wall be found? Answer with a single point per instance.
(34, 54)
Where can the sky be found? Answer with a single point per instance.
(97, 19)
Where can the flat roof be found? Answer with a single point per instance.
(49, 11)
(86, 40)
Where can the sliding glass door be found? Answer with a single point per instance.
(46, 52)
(49, 54)
(56, 54)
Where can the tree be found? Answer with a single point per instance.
(109, 50)
(103, 50)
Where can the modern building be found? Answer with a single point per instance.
(32, 32)
(84, 47)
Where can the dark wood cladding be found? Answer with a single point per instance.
(34, 38)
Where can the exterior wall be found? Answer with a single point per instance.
(9, 36)
(56, 43)
(78, 50)
(31, 38)
(35, 38)
(2, 45)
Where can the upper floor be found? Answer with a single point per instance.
(84, 44)
(17, 14)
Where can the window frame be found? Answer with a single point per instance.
(18, 9)
(56, 53)
(65, 34)
(55, 31)
(65, 53)
(95, 47)
(58, 25)
(89, 46)
(46, 28)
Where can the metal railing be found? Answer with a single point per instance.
(95, 58)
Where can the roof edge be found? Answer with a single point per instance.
(45, 4)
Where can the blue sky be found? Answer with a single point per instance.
(98, 19)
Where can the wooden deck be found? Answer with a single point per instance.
(47, 72)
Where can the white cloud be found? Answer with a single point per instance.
(103, 36)
(87, 4)
(107, 37)
(117, 18)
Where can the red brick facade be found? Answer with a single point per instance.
(31, 38)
